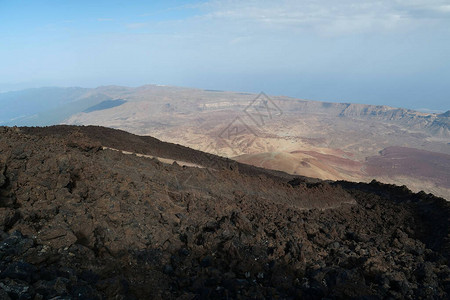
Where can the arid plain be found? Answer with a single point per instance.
(336, 141)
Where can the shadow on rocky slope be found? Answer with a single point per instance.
(80, 222)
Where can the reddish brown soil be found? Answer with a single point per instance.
(336, 161)
(79, 222)
(403, 161)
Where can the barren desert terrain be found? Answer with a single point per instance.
(336, 141)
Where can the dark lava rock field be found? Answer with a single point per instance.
(82, 221)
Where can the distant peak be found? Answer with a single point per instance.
(446, 114)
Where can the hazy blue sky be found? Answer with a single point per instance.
(379, 52)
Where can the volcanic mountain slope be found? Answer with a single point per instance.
(337, 141)
(81, 219)
(311, 138)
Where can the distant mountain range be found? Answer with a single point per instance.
(336, 141)
(53, 105)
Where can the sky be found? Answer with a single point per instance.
(394, 52)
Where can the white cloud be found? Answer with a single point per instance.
(444, 8)
(328, 16)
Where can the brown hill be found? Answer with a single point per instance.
(277, 132)
(82, 221)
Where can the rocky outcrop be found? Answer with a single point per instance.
(87, 223)
(436, 124)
